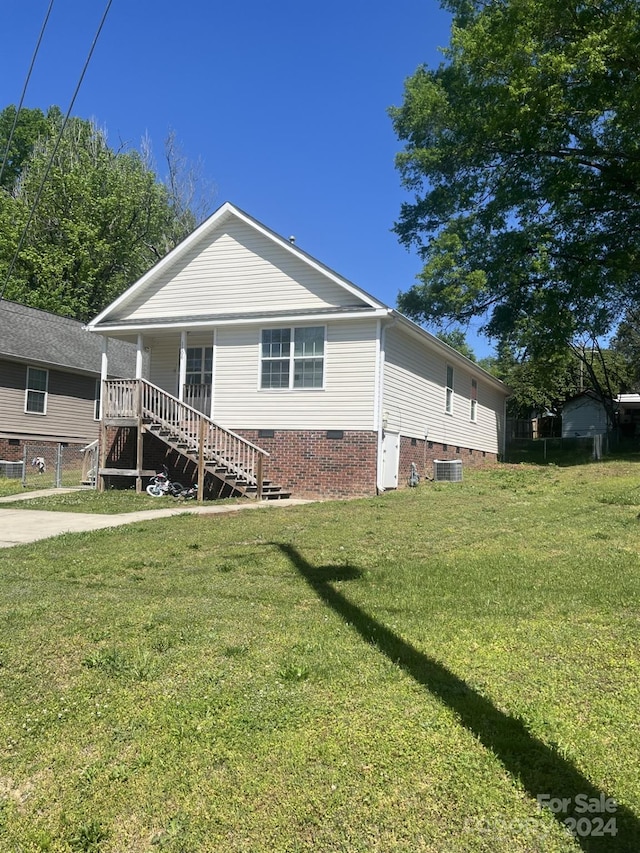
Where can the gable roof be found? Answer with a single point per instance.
(353, 301)
(347, 297)
(39, 337)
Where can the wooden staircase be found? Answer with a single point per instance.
(235, 463)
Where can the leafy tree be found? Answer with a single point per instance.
(546, 382)
(523, 158)
(457, 340)
(17, 140)
(101, 220)
(626, 345)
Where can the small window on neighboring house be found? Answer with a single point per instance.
(297, 366)
(96, 401)
(36, 393)
(448, 407)
(474, 400)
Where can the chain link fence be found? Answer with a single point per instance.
(50, 466)
(559, 451)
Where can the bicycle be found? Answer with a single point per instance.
(162, 485)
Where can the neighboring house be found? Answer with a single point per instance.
(264, 364)
(50, 370)
(584, 416)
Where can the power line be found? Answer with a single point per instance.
(53, 154)
(24, 90)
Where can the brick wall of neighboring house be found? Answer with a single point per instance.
(11, 450)
(319, 463)
(423, 453)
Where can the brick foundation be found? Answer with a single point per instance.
(312, 464)
(308, 463)
(423, 453)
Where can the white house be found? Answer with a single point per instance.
(584, 416)
(264, 364)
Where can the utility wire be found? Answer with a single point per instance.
(5, 156)
(53, 154)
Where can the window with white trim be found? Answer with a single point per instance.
(474, 400)
(199, 368)
(96, 401)
(292, 357)
(448, 405)
(35, 400)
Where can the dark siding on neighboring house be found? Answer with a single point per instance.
(70, 406)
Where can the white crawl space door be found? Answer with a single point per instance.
(390, 460)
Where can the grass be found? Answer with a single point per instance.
(404, 673)
(10, 486)
(90, 500)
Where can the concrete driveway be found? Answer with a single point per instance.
(20, 526)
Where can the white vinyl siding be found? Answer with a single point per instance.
(235, 270)
(582, 417)
(414, 402)
(164, 359)
(345, 402)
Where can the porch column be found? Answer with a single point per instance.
(102, 440)
(182, 378)
(213, 373)
(139, 356)
(104, 372)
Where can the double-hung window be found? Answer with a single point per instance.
(474, 400)
(199, 369)
(292, 357)
(448, 404)
(35, 401)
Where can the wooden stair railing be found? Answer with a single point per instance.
(223, 453)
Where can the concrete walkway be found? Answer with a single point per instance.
(20, 526)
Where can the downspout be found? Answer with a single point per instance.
(381, 335)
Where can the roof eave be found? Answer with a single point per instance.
(157, 324)
(450, 353)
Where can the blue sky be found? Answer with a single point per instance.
(284, 103)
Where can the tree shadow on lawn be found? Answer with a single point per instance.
(538, 767)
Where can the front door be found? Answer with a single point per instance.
(390, 460)
(197, 390)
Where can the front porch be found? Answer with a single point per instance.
(234, 464)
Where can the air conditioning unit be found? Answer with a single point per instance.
(449, 471)
(12, 470)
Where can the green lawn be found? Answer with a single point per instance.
(405, 673)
